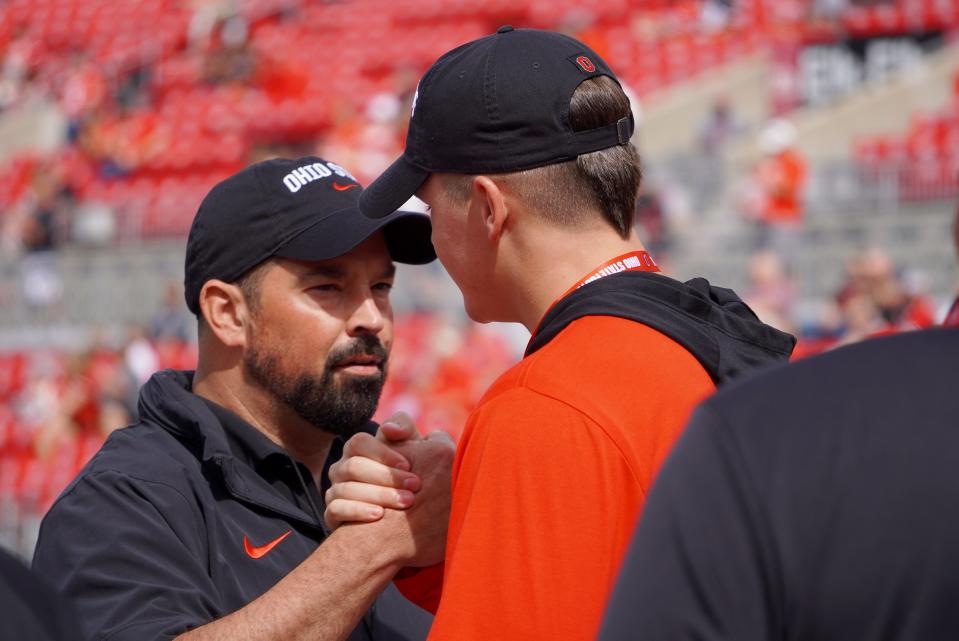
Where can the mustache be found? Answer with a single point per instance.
(364, 345)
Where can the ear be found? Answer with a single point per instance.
(487, 195)
(225, 312)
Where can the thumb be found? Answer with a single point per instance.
(399, 427)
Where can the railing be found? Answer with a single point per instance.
(881, 187)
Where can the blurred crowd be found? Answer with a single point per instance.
(161, 99)
(875, 298)
(58, 405)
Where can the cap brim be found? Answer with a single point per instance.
(407, 236)
(394, 187)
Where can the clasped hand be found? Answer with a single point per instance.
(396, 475)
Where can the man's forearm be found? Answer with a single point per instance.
(323, 599)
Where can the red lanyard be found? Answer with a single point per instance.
(638, 261)
(952, 318)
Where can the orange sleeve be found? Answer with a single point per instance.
(421, 586)
(543, 507)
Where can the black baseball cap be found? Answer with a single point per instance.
(304, 209)
(496, 105)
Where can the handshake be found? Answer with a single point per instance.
(399, 481)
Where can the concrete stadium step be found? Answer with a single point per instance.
(918, 238)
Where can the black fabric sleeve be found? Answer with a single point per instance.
(130, 556)
(700, 566)
(30, 609)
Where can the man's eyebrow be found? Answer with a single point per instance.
(328, 271)
(335, 271)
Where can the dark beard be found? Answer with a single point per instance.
(339, 407)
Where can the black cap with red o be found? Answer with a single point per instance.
(495, 105)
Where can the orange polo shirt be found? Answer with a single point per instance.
(550, 474)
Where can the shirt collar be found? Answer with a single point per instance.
(246, 443)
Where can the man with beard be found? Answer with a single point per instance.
(204, 519)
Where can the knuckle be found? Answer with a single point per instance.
(355, 443)
(348, 468)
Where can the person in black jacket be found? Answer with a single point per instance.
(204, 519)
(30, 608)
(814, 502)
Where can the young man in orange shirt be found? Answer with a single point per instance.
(519, 143)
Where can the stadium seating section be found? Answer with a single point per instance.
(314, 62)
(925, 158)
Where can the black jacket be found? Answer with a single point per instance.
(30, 609)
(150, 539)
(712, 323)
(816, 502)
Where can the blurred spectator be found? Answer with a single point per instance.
(37, 225)
(902, 309)
(779, 180)
(204, 19)
(15, 70)
(38, 402)
(771, 293)
(172, 321)
(872, 274)
(368, 141)
(82, 91)
(233, 60)
(720, 127)
(75, 409)
(861, 319)
(875, 300)
(828, 10)
(49, 207)
(41, 285)
(140, 357)
(650, 219)
(714, 15)
(121, 140)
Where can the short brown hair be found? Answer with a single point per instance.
(606, 180)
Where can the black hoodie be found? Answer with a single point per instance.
(150, 539)
(712, 323)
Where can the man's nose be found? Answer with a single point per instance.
(366, 318)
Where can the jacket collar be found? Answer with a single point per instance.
(712, 323)
(166, 400)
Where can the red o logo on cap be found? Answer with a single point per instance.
(586, 64)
